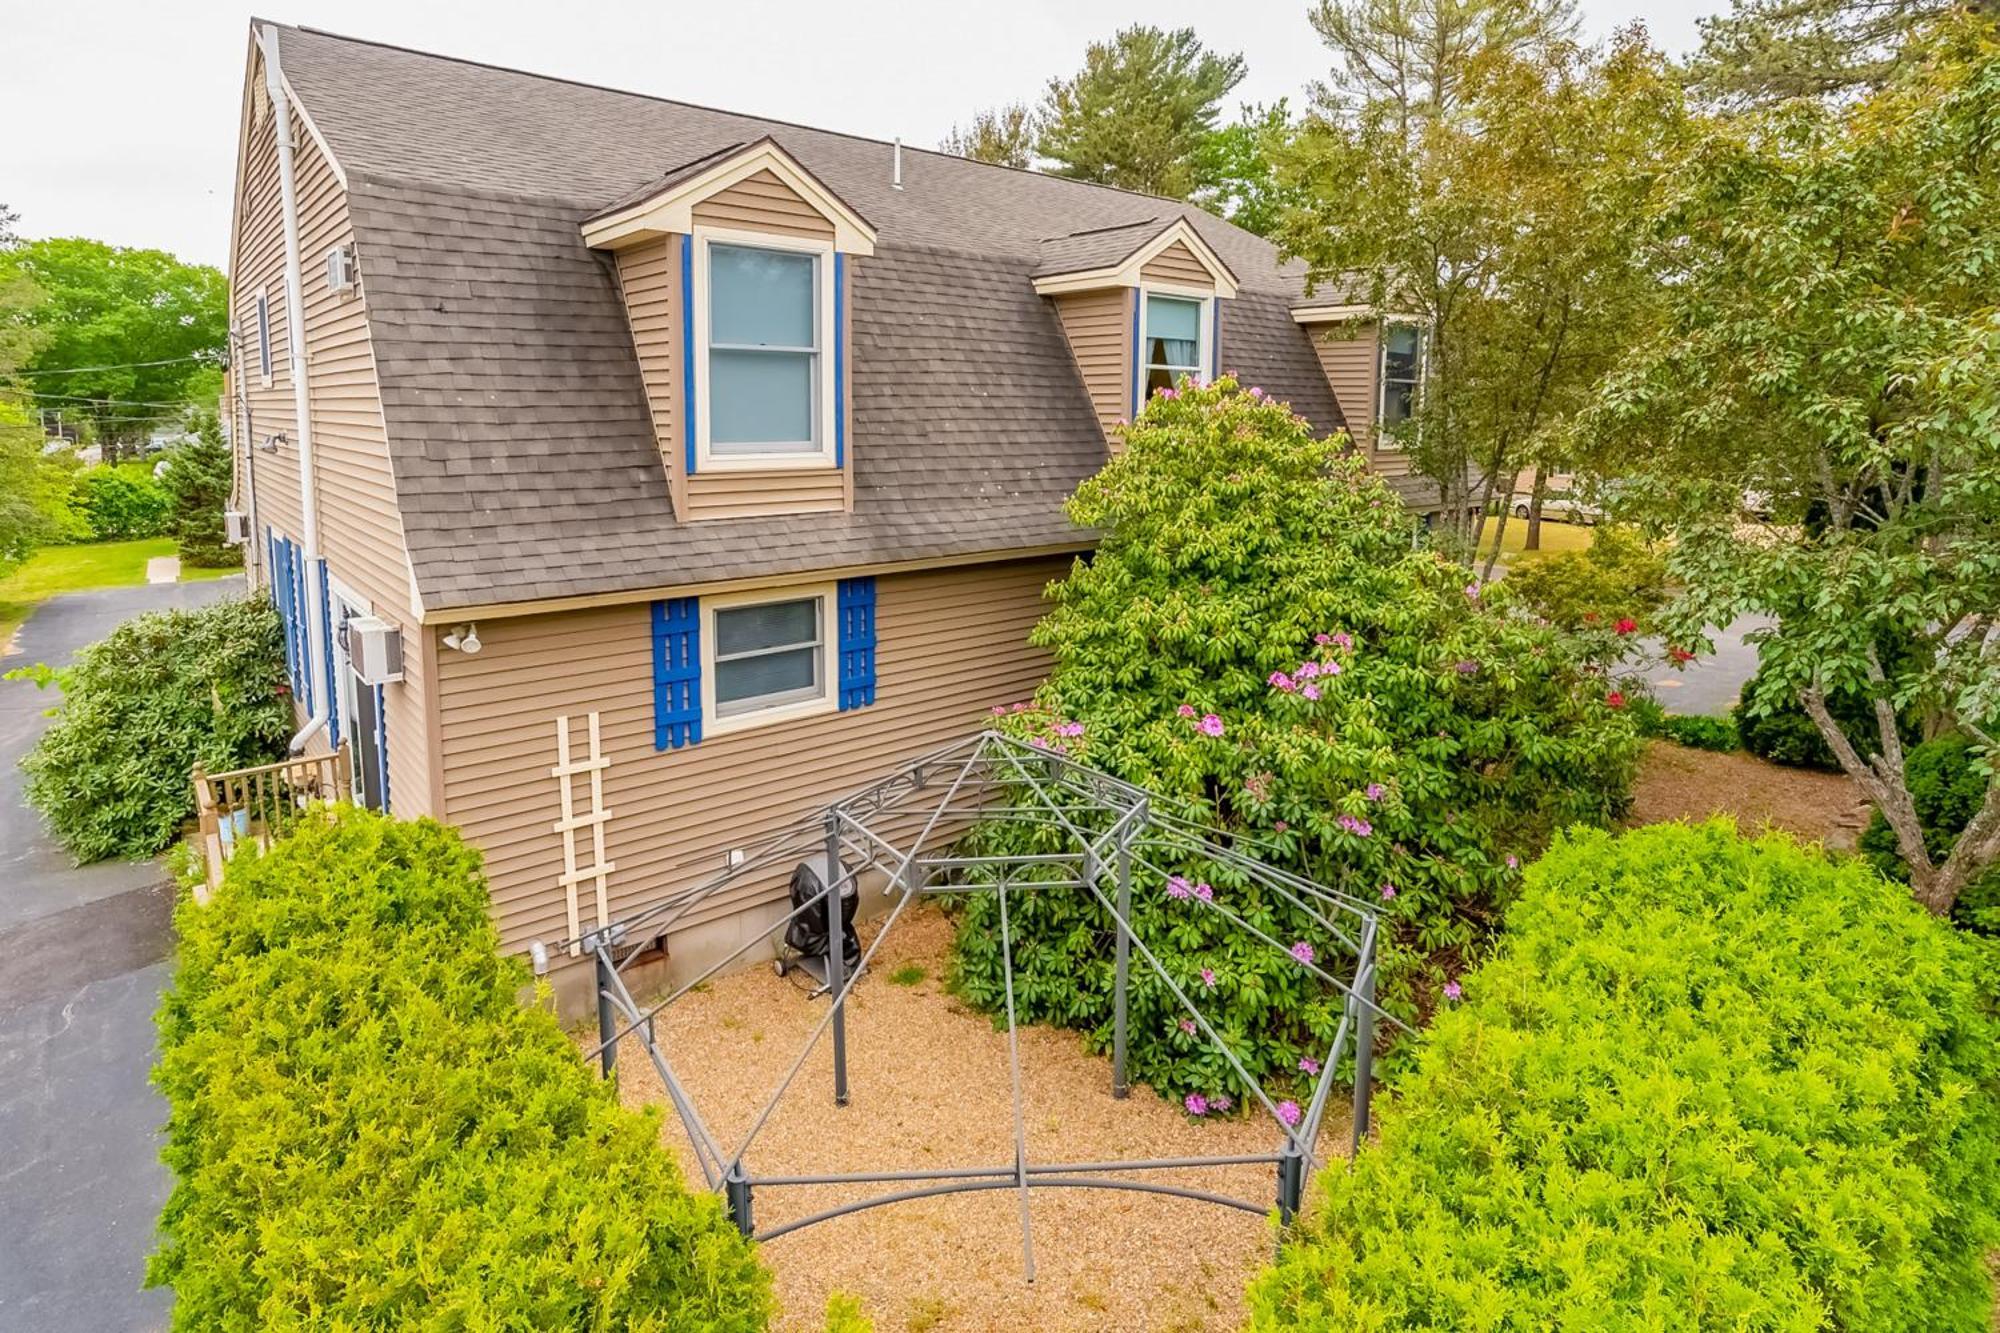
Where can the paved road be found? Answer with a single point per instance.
(1708, 686)
(82, 962)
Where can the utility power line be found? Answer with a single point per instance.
(123, 365)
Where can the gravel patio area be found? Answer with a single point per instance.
(930, 1088)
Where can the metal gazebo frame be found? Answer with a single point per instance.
(1102, 830)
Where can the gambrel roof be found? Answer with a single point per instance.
(524, 459)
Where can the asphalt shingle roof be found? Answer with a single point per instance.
(523, 454)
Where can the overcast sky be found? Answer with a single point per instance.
(118, 120)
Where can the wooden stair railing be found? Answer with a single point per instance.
(259, 804)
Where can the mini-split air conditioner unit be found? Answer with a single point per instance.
(235, 527)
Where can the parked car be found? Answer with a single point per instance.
(1561, 506)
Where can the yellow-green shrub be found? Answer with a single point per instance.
(1707, 1083)
(368, 1131)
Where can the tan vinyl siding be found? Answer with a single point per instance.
(359, 524)
(1177, 265)
(650, 275)
(1351, 356)
(721, 494)
(1098, 326)
(950, 645)
(762, 202)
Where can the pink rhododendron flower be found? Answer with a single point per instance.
(1280, 681)
(1452, 991)
(1308, 669)
(1342, 641)
(1196, 1104)
(1322, 639)
(1256, 391)
(1220, 1102)
(1186, 710)
(1310, 692)
(1178, 887)
(1360, 828)
(1211, 725)
(1187, 1026)
(1513, 861)
(1203, 893)
(1038, 742)
(1070, 729)
(1373, 791)
(1288, 1111)
(1308, 1065)
(1388, 892)
(999, 710)
(1281, 826)
(1472, 591)
(1208, 977)
(1302, 951)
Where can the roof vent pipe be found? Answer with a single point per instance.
(896, 179)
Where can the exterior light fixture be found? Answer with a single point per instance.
(464, 638)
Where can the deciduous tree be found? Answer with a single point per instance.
(1003, 135)
(1831, 340)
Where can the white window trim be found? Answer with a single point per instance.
(344, 701)
(260, 315)
(713, 722)
(1383, 439)
(706, 460)
(1205, 353)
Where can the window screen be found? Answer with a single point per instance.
(1402, 369)
(763, 350)
(768, 655)
(1173, 341)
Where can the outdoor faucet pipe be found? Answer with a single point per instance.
(295, 357)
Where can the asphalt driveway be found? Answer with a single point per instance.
(83, 959)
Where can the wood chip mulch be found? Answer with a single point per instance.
(930, 1088)
(1680, 783)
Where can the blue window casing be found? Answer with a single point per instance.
(839, 360)
(326, 644)
(687, 348)
(1215, 343)
(382, 744)
(676, 673)
(1138, 354)
(857, 642)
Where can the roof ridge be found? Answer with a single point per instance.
(1099, 231)
(725, 111)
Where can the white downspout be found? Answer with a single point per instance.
(295, 327)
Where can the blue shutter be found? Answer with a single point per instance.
(687, 348)
(382, 745)
(857, 642)
(281, 593)
(676, 673)
(326, 645)
(1215, 344)
(839, 360)
(1138, 354)
(301, 608)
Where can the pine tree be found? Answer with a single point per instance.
(1417, 54)
(1139, 112)
(1769, 50)
(198, 482)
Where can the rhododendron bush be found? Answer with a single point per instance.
(1259, 638)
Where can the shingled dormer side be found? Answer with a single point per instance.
(735, 271)
(1140, 304)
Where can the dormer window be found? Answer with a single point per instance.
(1402, 372)
(1173, 340)
(763, 361)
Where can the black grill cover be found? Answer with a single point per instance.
(807, 933)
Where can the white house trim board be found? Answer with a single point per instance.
(1342, 314)
(714, 722)
(672, 210)
(707, 461)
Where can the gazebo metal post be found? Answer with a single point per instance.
(607, 1010)
(836, 959)
(1291, 1181)
(1364, 1037)
(1119, 1086)
(736, 1197)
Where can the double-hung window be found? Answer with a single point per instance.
(766, 354)
(767, 655)
(1171, 340)
(1402, 373)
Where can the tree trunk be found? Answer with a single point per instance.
(1533, 541)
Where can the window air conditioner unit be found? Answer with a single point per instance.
(375, 647)
(340, 269)
(235, 527)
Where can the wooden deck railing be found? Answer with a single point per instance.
(258, 804)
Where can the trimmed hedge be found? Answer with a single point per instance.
(141, 707)
(1707, 1083)
(369, 1131)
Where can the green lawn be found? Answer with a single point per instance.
(59, 569)
(1555, 537)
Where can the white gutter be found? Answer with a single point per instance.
(295, 328)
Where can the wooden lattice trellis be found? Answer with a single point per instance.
(594, 817)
